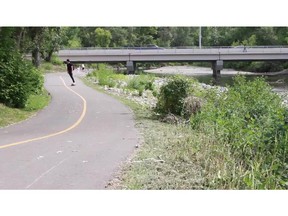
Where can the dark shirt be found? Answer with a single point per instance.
(69, 67)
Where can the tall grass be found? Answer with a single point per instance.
(141, 83)
(249, 125)
(106, 76)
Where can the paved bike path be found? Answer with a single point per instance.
(78, 142)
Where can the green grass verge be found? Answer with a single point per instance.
(35, 103)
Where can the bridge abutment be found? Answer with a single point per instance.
(217, 66)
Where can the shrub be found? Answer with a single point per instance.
(18, 79)
(250, 120)
(171, 96)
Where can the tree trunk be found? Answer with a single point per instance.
(36, 57)
(49, 56)
(20, 38)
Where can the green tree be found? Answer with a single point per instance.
(184, 36)
(145, 35)
(282, 35)
(70, 37)
(87, 36)
(18, 78)
(36, 35)
(266, 36)
(165, 36)
(131, 36)
(103, 37)
(217, 36)
(119, 36)
(51, 43)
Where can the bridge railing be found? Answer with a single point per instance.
(176, 47)
(178, 50)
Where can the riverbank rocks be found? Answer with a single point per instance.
(148, 98)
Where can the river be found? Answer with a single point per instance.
(278, 80)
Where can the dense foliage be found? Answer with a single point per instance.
(173, 36)
(250, 121)
(18, 77)
(172, 95)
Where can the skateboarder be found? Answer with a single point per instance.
(70, 68)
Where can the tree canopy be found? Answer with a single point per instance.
(177, 36)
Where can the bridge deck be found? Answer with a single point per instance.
(166, 55)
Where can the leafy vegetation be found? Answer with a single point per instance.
(249, 123)
(18, 78)
(237, 140)
(172, 95)
(105, 76)
(141, 83)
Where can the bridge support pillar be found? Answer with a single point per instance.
(217, 66)
(131, 67)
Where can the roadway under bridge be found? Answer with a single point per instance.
(216, 56)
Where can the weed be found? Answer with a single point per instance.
(141, 82)
(249, 120)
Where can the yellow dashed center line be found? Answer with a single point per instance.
(56, 133)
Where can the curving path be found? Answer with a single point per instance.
(77, 142)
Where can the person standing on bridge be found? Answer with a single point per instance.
(70, 68)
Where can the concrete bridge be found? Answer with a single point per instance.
(216, 56)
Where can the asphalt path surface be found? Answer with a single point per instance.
(79, 141)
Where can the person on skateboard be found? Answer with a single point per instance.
(70, 68)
